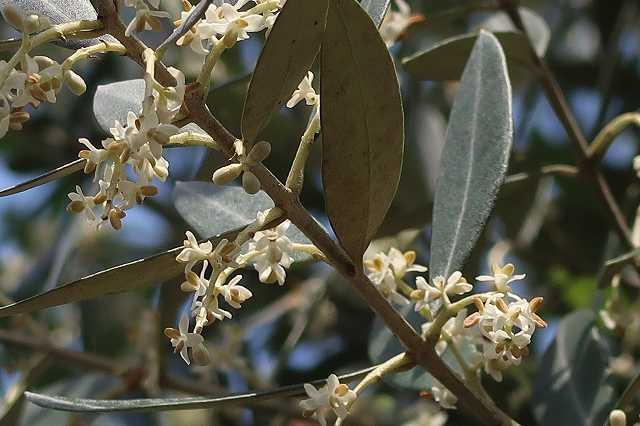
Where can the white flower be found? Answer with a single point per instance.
(444, 397)
(269, 253)
(386, 270)
(80, 202)
(395, 23)
(304, 91)
(426, 293)
(193, 251)
(502, 277)
(181, 340)
(333, 396)
(235, 294)
(228, 22)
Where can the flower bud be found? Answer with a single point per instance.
(43, 61)
(617, 418)
(250, 183)
(31, 24)
(259, 152)
(14, 16)
(75, 82)
(226, 174)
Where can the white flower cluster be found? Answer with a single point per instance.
(134, 148)
(334, 396)
(495, 337)
(228, 23)
(269, 252)
(38, 79)
(387, 271)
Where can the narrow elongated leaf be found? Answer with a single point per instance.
(376, 9)
(446, 59)
(165, 404)
(286, 57)
(210, 209)
(573, 383)
(60, 12)
(153, 270)
(114, 100)
(536, 27)
(54, 174)
(362, 126)
(474, 158)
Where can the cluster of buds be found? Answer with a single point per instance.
(38, 79)
(245, 160)
(137, 147)
(228, 24)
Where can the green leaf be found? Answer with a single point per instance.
(165, 404)
(211, 209)
(60, 12)
(362, 126)
(536, 27)
(376, 9)
(446, 59)
(287, 55)
(153, 270)
(572, 383)
(54, 174)
(114, 100)
(474, 158)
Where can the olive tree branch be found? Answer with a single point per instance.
(421, 352)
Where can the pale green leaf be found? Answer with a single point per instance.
(376, 9)
(362, 126)
(54, 174)
(113, 101)
(211, 209)
(287, 55)
(474, 158)
(165, 404)
(573, 385)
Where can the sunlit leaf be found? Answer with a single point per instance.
(286, 57)
(54, 174)
(153, 270)
(474, 158)
(572, 384)
(376, 9)
(362, 126)
(165, 404)
(60, 12)
(211, 209)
